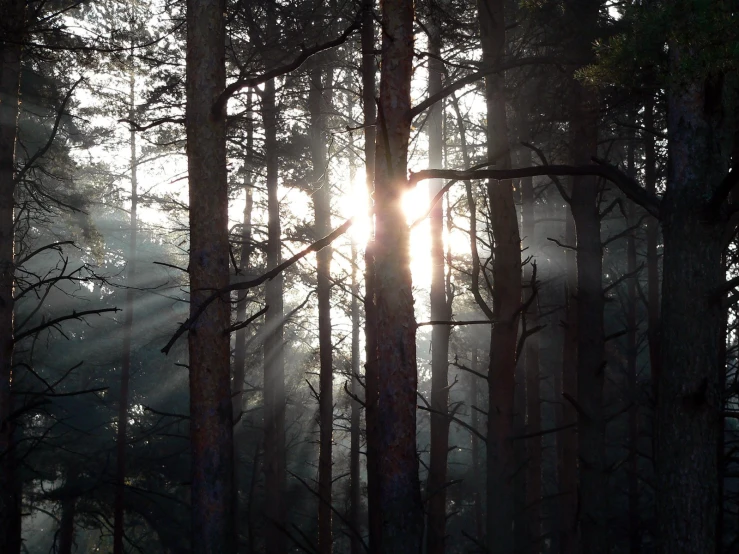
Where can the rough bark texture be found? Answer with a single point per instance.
(12, 27)
(440, 311)
(506, 293)
(689, 400)
(275, 511)
(399, 487)
(211, 427)
(119, 503)
(322, 210)
(369, 108)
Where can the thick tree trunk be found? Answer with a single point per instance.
(275, 511)
(531, 364)
(211, 426)
(506, 294)
(399, 487)
(689, 399)
(322, 210)
(440, 311)
(590, 337)
(12, 28)
(590, 301)
(119, 503)
(369, 108)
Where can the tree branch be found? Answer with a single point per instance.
(240, 84)
(268, 276)
(58, 320)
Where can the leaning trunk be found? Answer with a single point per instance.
(211, 426)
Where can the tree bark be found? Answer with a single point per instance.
(12, 30)
(590, 301)
(275, 511)
(322, 210)
(119, 503)
(531, 363)
(689, 399)
(369, 108)
(239, 369)
(355, 485)
(567, 440)
(506, 294)
(440, 311)
(211, 424)
(399, 487)
(632, 352)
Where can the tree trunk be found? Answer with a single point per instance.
(275, 511)
(531, 361)
(12, 29)
(590, 301)
(632, 353)
(211, 424)
(322, 209)
(355, 485)
(689, 399)
(506, 294)
(567, 439)
(399, 487)
(653, 317)
(66, 525)
(440, 311)
(369, 108)
(119, 503)
(239, 369)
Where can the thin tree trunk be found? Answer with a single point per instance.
(66, 524)
(12, 28)
(355, 490)
(119, 503)
(506, 294)
(653, 308)
(239, 369)
(322, 209)
(369, 68)
(440, 311)
(567, 440)
(275, 511)
(531, 363)
(475, 448)
(689, 399)
(632, 462)
(211, 424)
(399, 487)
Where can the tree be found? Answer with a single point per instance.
(211, 421)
